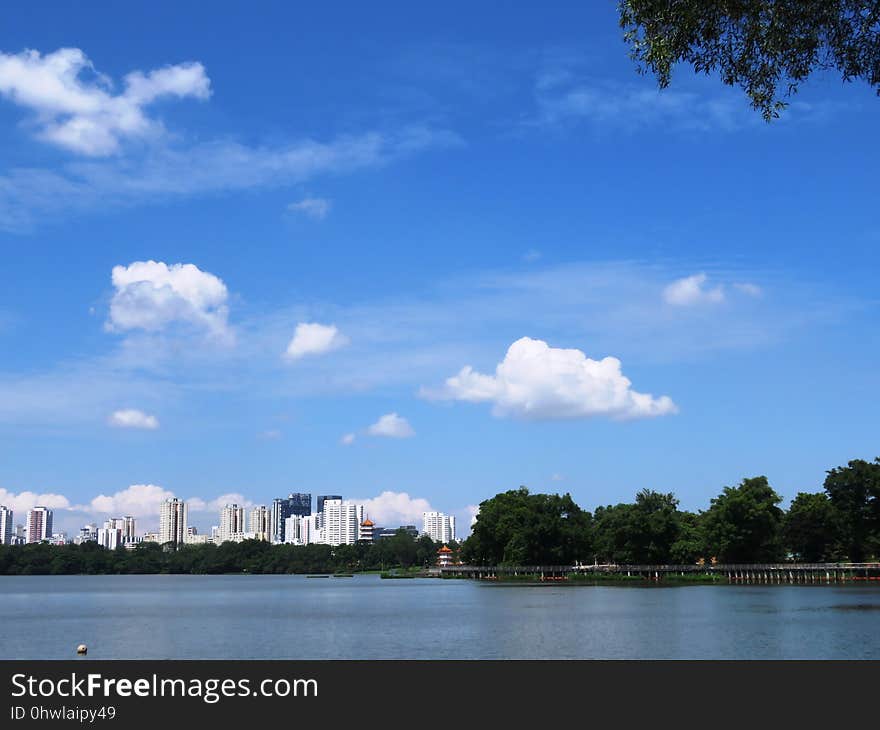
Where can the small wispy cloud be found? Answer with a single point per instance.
(692, 290)
(312, 338)
(315, 208)
(133, 418)
(392, 426)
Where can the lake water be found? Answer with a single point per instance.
(294, 617)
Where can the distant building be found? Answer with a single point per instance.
(6, 526)
(151, 537)
(87, 533)
(300, 530)
(172, 521)
(297, 504)
(261, 522)
(380, 533)
(438, 526)
(129, 534)
(319, 507)
(231, 523)
(110, 536)
(341, 522)
(39, 524)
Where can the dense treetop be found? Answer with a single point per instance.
(766, 47)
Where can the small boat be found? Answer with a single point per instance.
(317, 576)
(343, 575)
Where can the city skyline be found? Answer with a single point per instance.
(447, 262)
(336, 521)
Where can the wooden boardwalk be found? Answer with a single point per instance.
(733, 573)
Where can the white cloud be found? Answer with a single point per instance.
(536, 381)
(84, 115)
(692, 290)
(473, 511)
(316, 208)
(391, 509)
(392, 426)
(29, 195)
(314, 339)
(347, 439)
(273, 434)
(151, 294)
(557, 478)
(531, 256)
(138, 500)
(196, 504)
(752, 290)
(23, 501)
(133, 418)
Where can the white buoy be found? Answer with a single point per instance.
(82, 649)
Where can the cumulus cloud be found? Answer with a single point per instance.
(23, 501)
(311, 338)
(392, 426)
(137, 500)
(151, 294)
(347, 439)
(391, 509)
(536, 381)
(133, 418)
(692, 290)
(316, 208)
(196, 504)
(74, 106)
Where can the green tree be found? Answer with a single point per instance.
(854, 491)
(757, 45)
(810, 528)
(690, 545)
(519, 528)
(643, 532)
(743, 524)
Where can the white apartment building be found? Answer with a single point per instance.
(231, 523)
(172, 521)
(6, 526)
(39, 524)
(109, 535)
(438, 526)
(341, 522)
(301, 530)
(261, 522)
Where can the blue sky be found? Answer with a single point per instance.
(347, 206)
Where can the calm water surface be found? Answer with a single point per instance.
(294, 617)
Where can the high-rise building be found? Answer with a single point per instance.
(300, 530)
(172, 521)
(260, 523)
(87, 533)
(322, 498)
(231, 523)
(297, 503)
(6, 526)
(341, 522)
(438, 526)
(39, 524)
(110, 535)
(128, 530)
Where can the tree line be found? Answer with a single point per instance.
(401, 550)
(743, 524)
